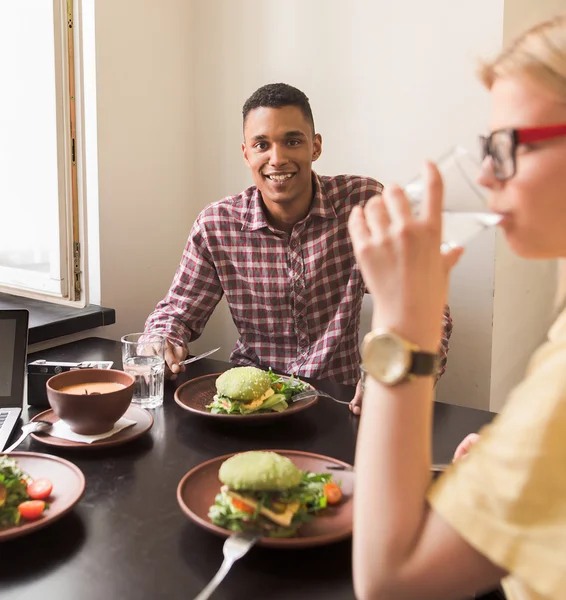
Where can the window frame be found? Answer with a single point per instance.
(69, 113)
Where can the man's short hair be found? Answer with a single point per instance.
(278, 95)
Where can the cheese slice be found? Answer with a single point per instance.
(284, 519)
(259, 401)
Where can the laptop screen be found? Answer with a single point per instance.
(13, 347)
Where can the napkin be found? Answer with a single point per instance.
(62, 430)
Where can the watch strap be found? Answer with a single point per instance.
(424, 363)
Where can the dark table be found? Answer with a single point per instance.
(128, 539)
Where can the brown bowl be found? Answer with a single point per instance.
(92, 413)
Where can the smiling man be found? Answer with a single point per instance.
(279, 251)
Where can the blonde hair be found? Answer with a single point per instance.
(540, 54)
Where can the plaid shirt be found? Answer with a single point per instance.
(295, 298)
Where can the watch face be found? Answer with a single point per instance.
(386, 359)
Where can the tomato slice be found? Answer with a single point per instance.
(39, 489)
(332, 492)
(30, 510)
(239, 505)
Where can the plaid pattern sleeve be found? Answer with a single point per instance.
(193, 295)
(444, 340)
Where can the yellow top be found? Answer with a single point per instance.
(507, 498)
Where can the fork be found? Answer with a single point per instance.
(311, 393)
(27, 429)
(236, 546)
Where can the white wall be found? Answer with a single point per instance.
(145, 151)
(390, 83)
(523, 312)
(521, 14)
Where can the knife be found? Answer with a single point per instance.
(433, 467)
(195, 358)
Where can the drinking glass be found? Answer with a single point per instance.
(465, 214)
(143, 357)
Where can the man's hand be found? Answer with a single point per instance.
(464, 446)
(173, 356)
(356, 403)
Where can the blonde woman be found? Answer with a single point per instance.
(500, 514)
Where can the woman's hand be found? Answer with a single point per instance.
(401, 262)
(465, 446)
(356, 403)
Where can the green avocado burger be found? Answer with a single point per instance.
(246, 390)
(266, 493)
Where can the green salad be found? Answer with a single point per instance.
(21, 497)
(13, 491)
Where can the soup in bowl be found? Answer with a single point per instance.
(90, 401)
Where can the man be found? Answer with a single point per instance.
(279, 251)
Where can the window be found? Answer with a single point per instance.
(39, 200)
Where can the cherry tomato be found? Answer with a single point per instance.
(332, 492)
(39, 489)
(31, 510)
(239, 505)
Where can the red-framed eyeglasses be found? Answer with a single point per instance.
(501, 146)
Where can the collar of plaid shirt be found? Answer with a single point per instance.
(255, 217)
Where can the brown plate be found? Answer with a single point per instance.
(68, 487)
(142, 417)
(198, 488)
(196, 393)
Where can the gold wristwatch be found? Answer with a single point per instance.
(391, 359)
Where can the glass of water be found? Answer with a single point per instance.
(465, 213)
(143, 357)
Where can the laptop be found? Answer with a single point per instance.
(13, 350)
